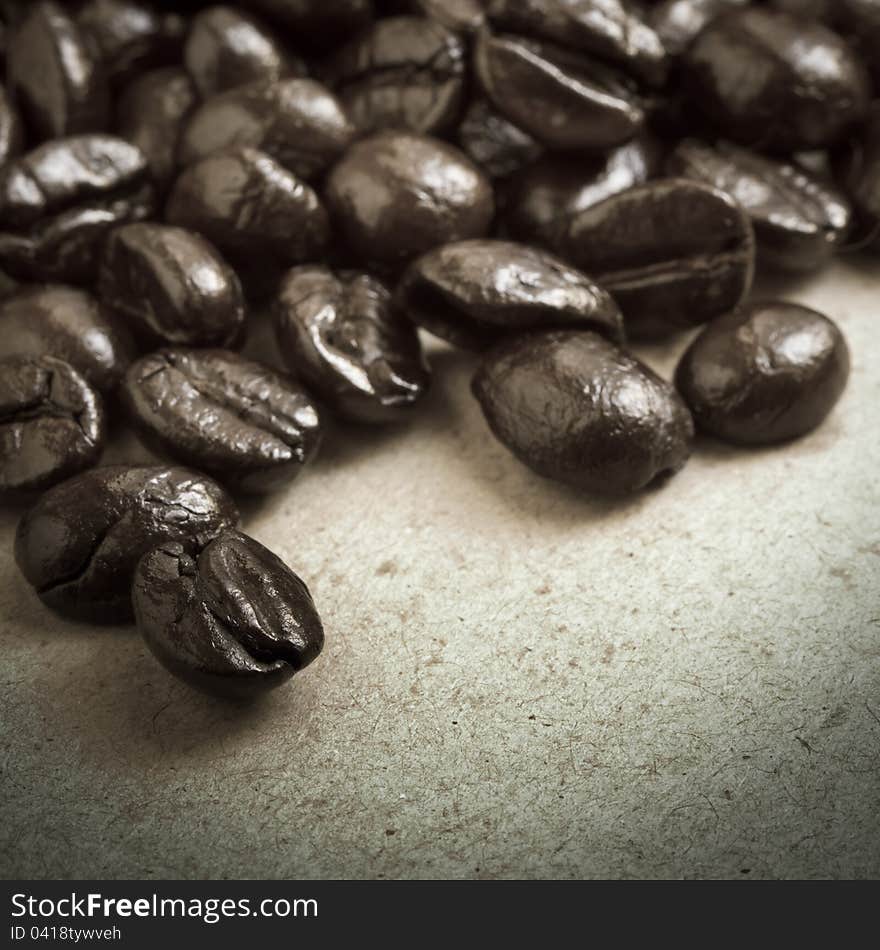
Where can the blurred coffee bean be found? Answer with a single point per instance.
(857, 166)
(493, 142)
(316, 24)
(11, 135)
(679, 22)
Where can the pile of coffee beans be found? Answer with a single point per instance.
(538, 181)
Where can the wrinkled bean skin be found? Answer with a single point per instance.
(495, 144)
(231, 619)
(575, 408)
(404, 72)
(51, 424)
(775, 82)
(564, 100)
(70, 325)
(241, 422)
(317, 23)
(766, 373)
(396, 195)
(673, 253)
(297, 122)
(171, 285)
(343, 336)
(799, 219)
(857, 165)
(79, 544)
(679, 22)
(11, 134)
(472, 293)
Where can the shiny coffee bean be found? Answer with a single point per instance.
(171, 285)
(765, 373)
(472, 293)
(230, 618)
(342, 334)
(493, 142)
(679, 22)
(574, 407)
(799, 219)
(317, 24)
(396, 195)
(51, 424)
(298, 122)
(11, 134)
(79, 545)
(673, 253)
(247, 425)
(251, 208)
(857, 165)
(609, 29)
(774, 81)
(404, 73)
(69, 324)
(563, 99)
(53, 74)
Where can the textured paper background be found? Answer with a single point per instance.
(517, 682)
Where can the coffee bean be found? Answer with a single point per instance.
(857, 164)
(395, 195)
(79, 545)
(298, 122)
(11, 135)
(859, 21)
(495, 144)
(230, 619)
(765, 373)
(673, 253)
(799, 219)
(171, 285)
(472, 293)
(463, 16)
(69, 324)
(574, 407)
(317, 24)
(679, 22)
(51, 424)
(342, 334)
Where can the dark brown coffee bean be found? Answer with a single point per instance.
(298, 122)
(51, 424)
(859, 21)
(679, 22)
(79, 545)
(799, 219)
(774, 81)
(54, 75)
(765, 373)
(11, 135)
(318, 24)
(171, 285)
(343, 336)
(70, 325)
(247, 425)
(566, 101)
(574, 407)
(493, 142)
(673, 253)
(857, 165)
(230, 619)
(472, 293)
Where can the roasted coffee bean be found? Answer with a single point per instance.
(565, 100)
(799, 219)
(343, 336)
(472, 293)
(857, 165)
(298, 122)
(54, 75)
(230, 619)
(765, 373)
(251, 208)
(574, 407)
(403, 72)
(673, 253)
(679, 22)
(318, 24)
(247, 425)
(609, 29)
(79, 545)
(51, 424)
(69, 324)
(151, 114)
(227, 48)
(540, 200)
(171, 285)
(396, 195)
(493, 142)
(11, 135)
(774, 81)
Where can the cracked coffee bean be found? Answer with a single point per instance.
(575, 408)
(247, 425)
(230, 618)
(171, 285)
(51, 424)
(472, 293)
(342, 334)
(495, 144)
(79, 544)
(765, 373)
(11, 134)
